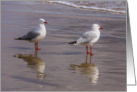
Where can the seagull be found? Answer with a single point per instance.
(89, 38)
(35, 35)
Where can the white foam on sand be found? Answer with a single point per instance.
(89, 7)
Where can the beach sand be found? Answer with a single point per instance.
(60, 66)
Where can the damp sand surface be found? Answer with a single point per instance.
(59, 66)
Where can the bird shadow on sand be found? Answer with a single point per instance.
(88, 69)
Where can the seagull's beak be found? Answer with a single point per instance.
(46, 22)
(101, 28)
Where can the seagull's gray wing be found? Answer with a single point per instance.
(89, 35)
(86, 37)
(31, 35)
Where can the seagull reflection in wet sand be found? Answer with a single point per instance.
(88, 69)
(34, 62)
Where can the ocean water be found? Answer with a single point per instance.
(109, 6)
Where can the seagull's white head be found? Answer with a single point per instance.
(96, 27)
(42, 21)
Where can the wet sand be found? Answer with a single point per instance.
(59, 66)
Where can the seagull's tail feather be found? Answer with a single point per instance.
(73, 43)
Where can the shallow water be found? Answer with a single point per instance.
(108, 6)
(59, 66)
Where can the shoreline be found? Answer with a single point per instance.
(86, 7)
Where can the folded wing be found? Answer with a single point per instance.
(86, 37)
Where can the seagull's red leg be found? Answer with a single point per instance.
(91, 50)
(87, 49)
(36, 46)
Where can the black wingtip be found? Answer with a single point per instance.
(72, 42)
(18, 38)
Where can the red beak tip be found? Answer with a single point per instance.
(101, 28)
(45, 22)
